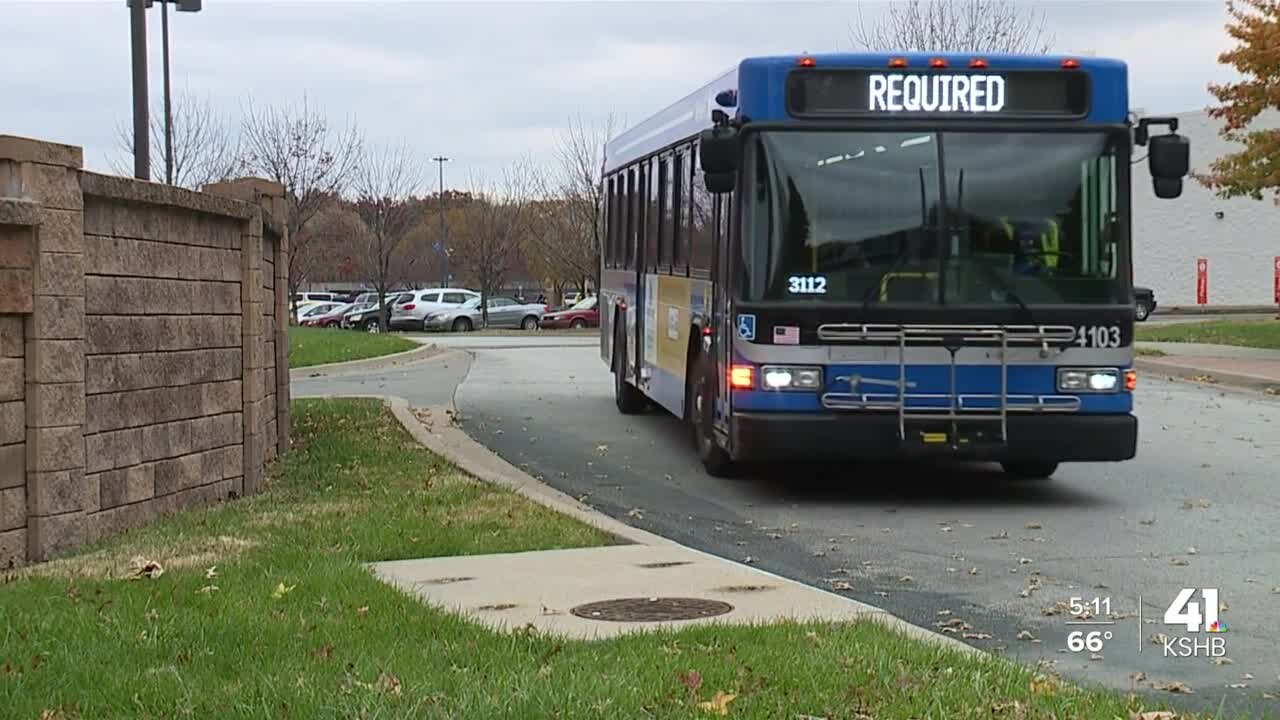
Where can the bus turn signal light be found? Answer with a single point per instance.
(978, 63)
(1070, 63)
(938, 63)
(806, 62)
(897, 62)
(1130, 380)
(742, 377)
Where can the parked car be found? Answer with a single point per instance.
(299, 298)
(410, 310)
(328, 318)
(306, 312)
(364, 316)
(504, 312)
(1144, 302)
(582, 314)
(570, 298)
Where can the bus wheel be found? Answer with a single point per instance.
(626, 396)
(701, 414)
(1029, 470)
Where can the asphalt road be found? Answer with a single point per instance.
(1197, 508)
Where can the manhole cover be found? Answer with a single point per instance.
(651, 609)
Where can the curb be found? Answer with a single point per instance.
(440, 435)
(1215, 310)
(421, 352)
(1189, 373)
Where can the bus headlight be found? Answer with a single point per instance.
(791, 377)
(1088, 380)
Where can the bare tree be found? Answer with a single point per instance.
(298, 147)
(580, 156)
(494, 229)
(386, 183)
(991, 26)
(206, 146)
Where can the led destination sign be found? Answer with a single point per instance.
(828, 93)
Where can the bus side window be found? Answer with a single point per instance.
(700, 225)
(679, 238)
(651, 172)
(629, 249)
(664, 213)
(610, 222)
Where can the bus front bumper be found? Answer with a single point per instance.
(1043, 438)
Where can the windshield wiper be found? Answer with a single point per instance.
(898, 261)
(1009, 292)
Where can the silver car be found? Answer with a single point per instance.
(504, 312)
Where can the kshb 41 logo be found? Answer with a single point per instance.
(1187, 612)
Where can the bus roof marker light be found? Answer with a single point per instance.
(978, 63)
(806, 62)
(1070, 64)
(938, 62)
(897, 62)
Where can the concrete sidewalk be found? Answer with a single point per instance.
(1252, 368)
(645, 583)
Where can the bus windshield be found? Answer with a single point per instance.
(934, 217)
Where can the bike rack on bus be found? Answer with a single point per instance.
(952, 407)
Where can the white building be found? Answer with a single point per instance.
(1240, 237)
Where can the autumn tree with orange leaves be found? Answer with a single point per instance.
(1255, 169)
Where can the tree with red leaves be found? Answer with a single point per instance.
(1255, 169)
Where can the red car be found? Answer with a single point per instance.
(330, 318)
(584, 314)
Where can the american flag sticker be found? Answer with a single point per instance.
(786, 335)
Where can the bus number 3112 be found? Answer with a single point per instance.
(1098, 336)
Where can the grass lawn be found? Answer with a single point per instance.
(263, 610)
(318, 346)
(1249, 333)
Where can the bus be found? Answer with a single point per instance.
(884, 255)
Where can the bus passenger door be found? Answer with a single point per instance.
(722, 319)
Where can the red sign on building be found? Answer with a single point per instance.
(1276, 275)
(1202, 281)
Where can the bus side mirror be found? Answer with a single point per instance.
(1167, 188)
(1169, 156)
(720, 183)
(718, 150)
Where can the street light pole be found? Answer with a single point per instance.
(168, 110)
(141, 134)
(444, 248)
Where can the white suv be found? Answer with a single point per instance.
(411, 309)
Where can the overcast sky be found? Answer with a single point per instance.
(483, 82)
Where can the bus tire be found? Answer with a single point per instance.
(626, 396)
(1029, 470)
(715, 459)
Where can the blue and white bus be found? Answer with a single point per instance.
(871, 255)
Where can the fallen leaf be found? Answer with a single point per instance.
(1148, 521)
(208, 589)
(1095, 656)
(882, 593)
(635, 513)
(976, 636)
(748, 560)
(1173, 687)
(1033, 526)
(1247, 676)
(1192, 550)
(690, 679)
(944, 612)
(1159, 639)
(282, 590)
(1002, 535)
(362, 610)
(1043, 684)
(388, 683)
(602, 449)
(841, 585)
(1026, 635)
(973, 571)
(1153, 715)
(1179, 562)
(211, 573)
(1238, 686)
(1024, 561)
(1222, 661)
(144, 568)
(904, 579)
(719, 703)
(1004, 707)
(324, 652)
(1270, 696)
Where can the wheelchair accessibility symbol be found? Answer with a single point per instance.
(747, 327)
